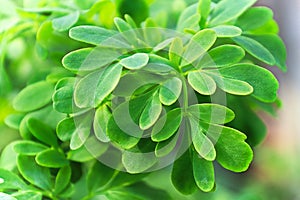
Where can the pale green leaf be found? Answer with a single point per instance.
(96, 86)
(176, 50)
(202, 83)
(227, 10)
(136, 61)
(170, 91)
(102, 116)
(9, 180)
(65, 22)
(227, 31)
(200, 43)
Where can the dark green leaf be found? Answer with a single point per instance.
(255, 49)
(51, 158)
(42, 132)
(95, 87)
(33, 173)
(63, 96)
(29, 148)
(166, 126)
(182, 175)
(91, 34)
(33, 96)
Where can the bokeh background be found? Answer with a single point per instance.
(274, 174)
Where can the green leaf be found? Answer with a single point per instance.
(80, 130)
(96, 86)
(275, 46)
(167, 125)
(221, 56)
(189, 18)
(14, 120)
(65, 129)
(227, 31)
(91, 34)
(136, 161)
(233, 86)
(255, 49)
(51, 158)
(152, 33)
(202, 144)
(103, 173)
(89, 59)
(4, 196)
(33, 173)
(202, 83)
(151, 113)
(127, 32)
(42, 132)
(203, 173)
(24, 195)
(63, 96)
(123, 179)
(166, 147)
(211, 113)
(102, 116)
(121, 129)
(254, 18)
(91, 150)
(227, 10)
(65, 22)
(175, 51)
(233, 153)
(9, 180)
(182, 175)
(62, 179)
(170, 91)
(33, 96)
(198, 45)
(204, 11)
(29, 148)
(136, 61)
(264, 83)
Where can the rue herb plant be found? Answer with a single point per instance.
(130, 94)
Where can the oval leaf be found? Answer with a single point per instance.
(95, 87)
(170, 91)
(136, 61)
(29, 148)
(166, 126)
(202, 83)
(227, 31)
(51, 158)
(65, 22)
(34, 96)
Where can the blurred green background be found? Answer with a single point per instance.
(274, 173)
